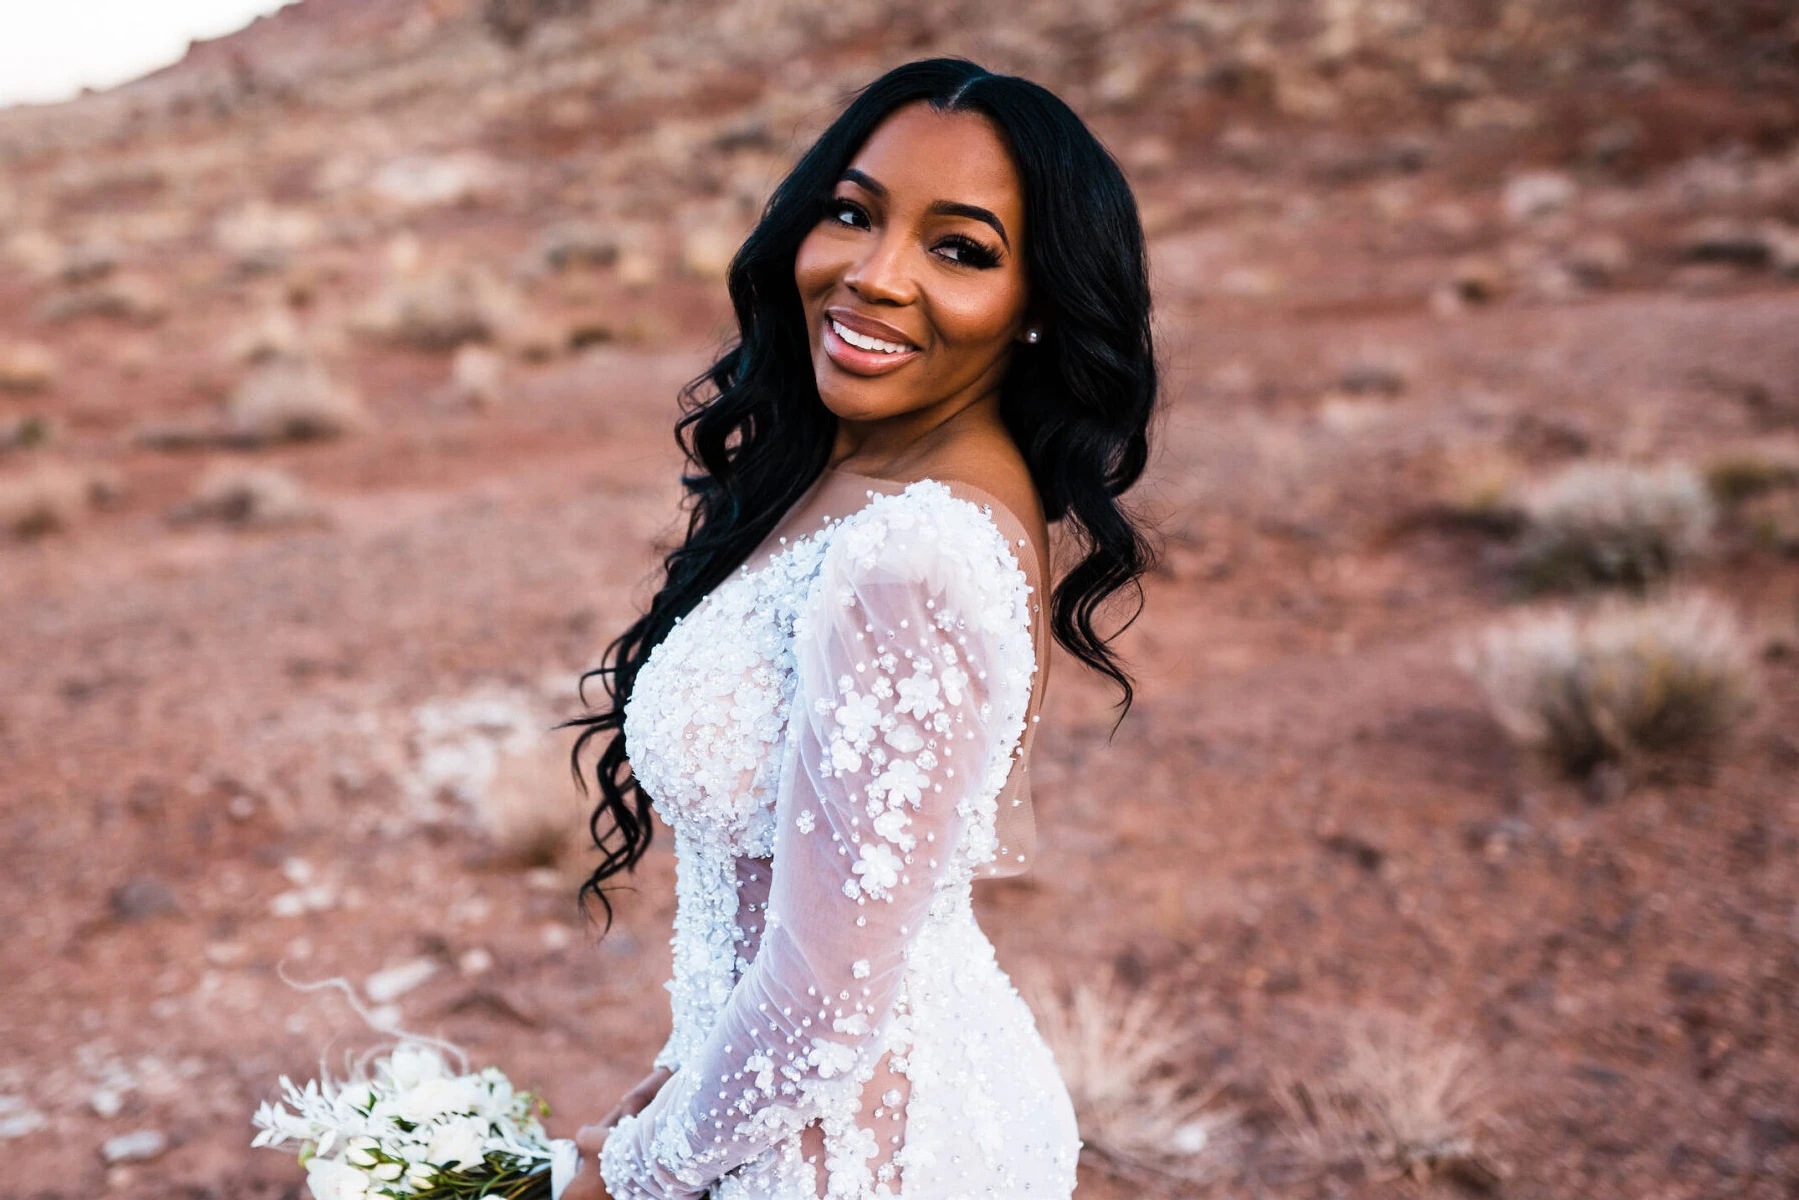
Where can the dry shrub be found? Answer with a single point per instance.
(248, 496)
(1128, 1060)
(1773, 521)
(1619, 683)
(1400, 1101)
(49, 498)
(530, 809)
(1480, 493)
(1612, 523)
(291, 400)
(119, 298)
(1752, 471)
(440, 309)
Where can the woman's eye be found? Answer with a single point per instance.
(846, 212)
(967, 251)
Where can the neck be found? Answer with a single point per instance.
(889, 446)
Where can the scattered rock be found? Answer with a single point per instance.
(274, 334)
(18, 1118)
(141, 899)
(476, 377)
(26, 367)
(578, 244)
(706, 252)
(140, 1145)
(262, 236)
(124, 298)
(1537, 194)
(423, 181)
(1478, 279)
(1374, 376)
(1598, 259)
(387, 985)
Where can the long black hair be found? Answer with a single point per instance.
(757, 436)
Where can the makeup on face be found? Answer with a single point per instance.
(910, 280)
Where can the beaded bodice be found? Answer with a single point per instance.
(827, 734)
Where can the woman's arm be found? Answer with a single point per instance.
(914, 663)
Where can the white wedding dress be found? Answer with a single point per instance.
(828, 734)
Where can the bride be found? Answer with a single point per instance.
(944, 345)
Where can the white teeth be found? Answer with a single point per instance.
(863, 342)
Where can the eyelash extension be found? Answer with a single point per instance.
(973, 254)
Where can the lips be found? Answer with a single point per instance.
(862, 345)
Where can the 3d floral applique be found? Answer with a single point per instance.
(850, 709)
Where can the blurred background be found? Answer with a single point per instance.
(1450, 846)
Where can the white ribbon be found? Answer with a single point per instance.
(565, 1164)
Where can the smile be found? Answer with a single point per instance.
(864, 342)
(861, 353)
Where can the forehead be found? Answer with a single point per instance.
(921, 154)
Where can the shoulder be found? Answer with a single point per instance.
(925, 530)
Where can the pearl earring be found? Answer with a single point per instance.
(1031, 336)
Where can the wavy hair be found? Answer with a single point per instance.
(756, 435)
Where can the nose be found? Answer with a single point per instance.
(880, 276)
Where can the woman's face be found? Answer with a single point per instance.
(913, 280)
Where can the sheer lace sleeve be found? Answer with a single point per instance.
(914, 663)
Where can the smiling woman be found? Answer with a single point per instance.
(944, 346)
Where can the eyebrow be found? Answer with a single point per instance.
(949, 208)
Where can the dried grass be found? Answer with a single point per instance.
(1400, 1102)
(292, 400)
(249, 496)
(1750, 472)
(1612, 523)
(1618, 684)
(1127, 1058)
(440, 309)
(49, 498)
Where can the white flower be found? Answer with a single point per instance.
(830, 1058)
(844, 756)
(436, 1098)
(410, 1065)
(858, 716)
(905, 738)
(859, 968)
(462, 1141)
(903, 781)
(805, 822)
(855, 1024)
(918, 695)
(892, 826)
(954, 679)
(333, 1179)
(878, 866)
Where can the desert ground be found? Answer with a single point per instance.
(338, 370)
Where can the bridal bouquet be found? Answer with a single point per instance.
(415, 1128)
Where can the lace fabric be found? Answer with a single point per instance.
(829, 735)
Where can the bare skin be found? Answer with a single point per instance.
(922, 250)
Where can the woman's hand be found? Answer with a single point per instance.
(587, 1184)
(633, 1103)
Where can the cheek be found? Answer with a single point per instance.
(817, 266)
(981, 312)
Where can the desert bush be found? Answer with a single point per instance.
(1612, 523)
(1399, 1101)
(440, 309)
(1127, 1059)
(291, 400)
(48, 498)
(1621, 682)
(1744, 474)
(250, 496)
